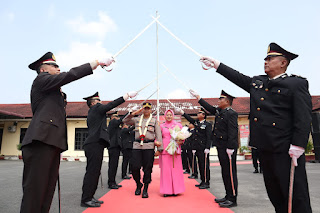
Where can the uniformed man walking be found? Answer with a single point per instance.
(225, 137)
(202, 144)
(46, 137)
(147, 131)
(98, 138)
(280, 118)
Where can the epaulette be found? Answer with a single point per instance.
(297, 76)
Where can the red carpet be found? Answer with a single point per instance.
(192, 200)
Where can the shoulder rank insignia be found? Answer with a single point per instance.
(297, 76)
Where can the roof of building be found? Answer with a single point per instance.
(190, 106)
(9, 115)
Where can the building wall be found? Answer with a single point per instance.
(11, 139)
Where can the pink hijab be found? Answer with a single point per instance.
(170, 124)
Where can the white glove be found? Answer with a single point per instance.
(206, 151)
(178, 110)
(210, 62)
(194, 151)
(194, 94)
(130, 95)
(295, 152)
(229, 152)
(106, 61)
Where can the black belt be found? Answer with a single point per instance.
(146, 141)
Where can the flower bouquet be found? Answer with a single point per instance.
(177, 134)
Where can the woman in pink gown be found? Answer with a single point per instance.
(171, 175)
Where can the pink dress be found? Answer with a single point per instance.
(171, 172)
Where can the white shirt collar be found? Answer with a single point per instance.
(278, 76)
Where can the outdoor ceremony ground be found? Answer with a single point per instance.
(252, 194)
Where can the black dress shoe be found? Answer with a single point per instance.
(198, 185)
(113, 186)
(193, 177)
(227, 204)
(145, 195)
(126, 177)
(118, 185)
(97, 201)
(145, 191)
(90, 203)
(186, 172)
(165, 195)
(220, 200)
(204, 186)
(256, 171)
(138, 189)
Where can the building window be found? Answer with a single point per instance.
(22, 133)
(80, 137)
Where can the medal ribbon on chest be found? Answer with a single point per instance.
(142, 136)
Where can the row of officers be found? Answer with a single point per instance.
(224, 135)
(280, 118)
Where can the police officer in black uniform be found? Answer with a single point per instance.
(191, 153)
(114, 149)
(127, 139)
(225, 137)
(184, 156)
(255, 159)
(98, 138)
(280, 118)
(202, 144)
(46, 137)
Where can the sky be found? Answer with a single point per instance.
(237, 33)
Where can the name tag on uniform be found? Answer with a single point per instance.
(203, 126)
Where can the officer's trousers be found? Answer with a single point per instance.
(127, 154)
(114, 154)
(276, 174)
(94, 154)
(226, 175)
(142, 158)
(205, 178)
(40, 174)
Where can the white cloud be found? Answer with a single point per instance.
(51, 11)
(178, 94)
(9, 17)
(93, 28)
(80, 53)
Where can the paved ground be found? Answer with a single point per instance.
(252, 194)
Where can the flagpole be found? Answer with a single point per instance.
(157, 70)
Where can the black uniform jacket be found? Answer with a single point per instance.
(97, 122)
(114, 131)
(127, 137)
(48, 124)
(225, 130)
(280, 109)
(202, 133)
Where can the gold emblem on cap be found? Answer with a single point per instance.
(268, 49)
(54, 58)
